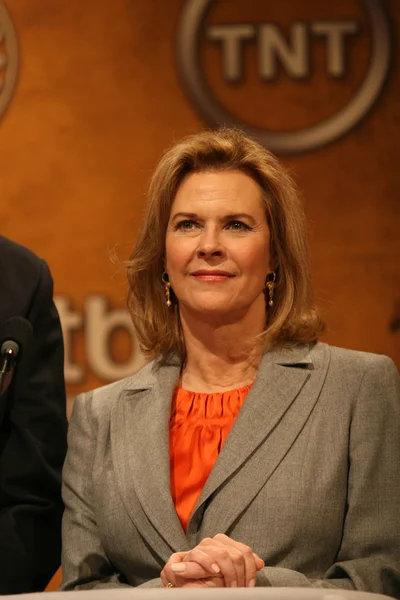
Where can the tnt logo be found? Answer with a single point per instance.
(296, 74)
(274, 49)
(8, 58)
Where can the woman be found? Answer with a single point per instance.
(246, 453)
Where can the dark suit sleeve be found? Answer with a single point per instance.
(34, 447)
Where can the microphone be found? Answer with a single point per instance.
(15, 338)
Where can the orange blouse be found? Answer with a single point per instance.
(198, 428)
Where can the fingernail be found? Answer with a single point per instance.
(178, 567)
(215, 568)
(234, 584)
(252, 583)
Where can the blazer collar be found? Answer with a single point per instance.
(276, 408)
(303, 356)
(140, 447)
(140, 437)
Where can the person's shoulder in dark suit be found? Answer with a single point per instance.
(33, 428)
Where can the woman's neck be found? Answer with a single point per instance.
(220, 357)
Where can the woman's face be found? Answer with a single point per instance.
(218, 245)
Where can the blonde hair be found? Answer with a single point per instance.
(293, 318)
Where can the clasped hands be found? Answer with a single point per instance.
(215, 562)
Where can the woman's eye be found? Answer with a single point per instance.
(238, 225)
(186, 224)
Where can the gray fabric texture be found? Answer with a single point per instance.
(309, 476)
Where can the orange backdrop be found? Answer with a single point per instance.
(99, 97)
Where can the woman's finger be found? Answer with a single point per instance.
(167, 575)
(237, 560)
(163, 579)
(189, 570)
(251, 561)
(208, 566)
(221, 556)
(195, 564)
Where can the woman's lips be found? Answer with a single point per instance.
(212, 276)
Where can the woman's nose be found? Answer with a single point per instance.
(209, 243)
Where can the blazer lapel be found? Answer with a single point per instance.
(140, 446)
(283, 394)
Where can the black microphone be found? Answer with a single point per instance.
(15, 338)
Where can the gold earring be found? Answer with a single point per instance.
(167, 286)
(270, 285)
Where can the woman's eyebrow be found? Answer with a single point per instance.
(184, 215)
(237, 216)
(229, 217)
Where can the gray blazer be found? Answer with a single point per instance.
(309, 476)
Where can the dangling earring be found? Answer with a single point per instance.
(167, 286)
(270, 285)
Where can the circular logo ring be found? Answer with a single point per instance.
(300, 140)
(8, 35)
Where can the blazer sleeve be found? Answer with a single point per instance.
(34, 441)
(369, 556)
(85, 564)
